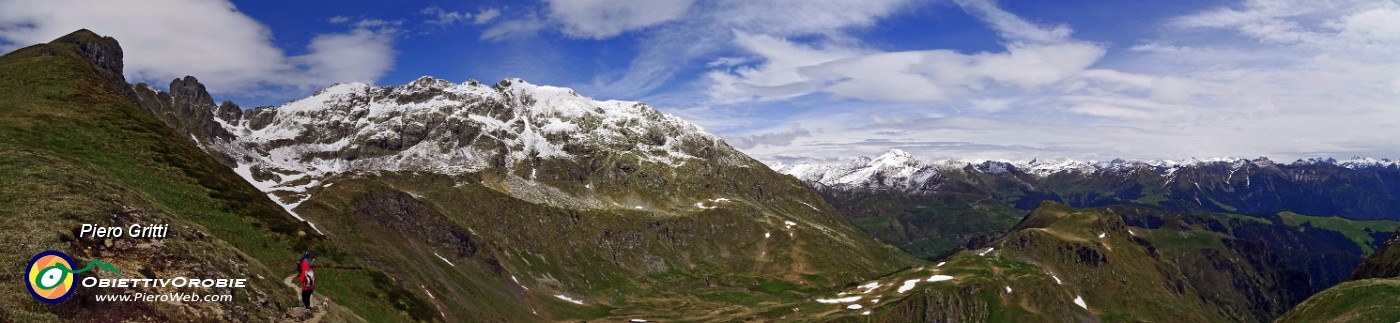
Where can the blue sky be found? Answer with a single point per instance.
(796, 80)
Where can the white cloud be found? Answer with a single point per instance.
(210, 39)
(443, 17)
(803, 17)
(777, 138)
(1034, 57)
(360, 55)
(486, 15)
(600, 19)
(526, 25)
(1012, 27)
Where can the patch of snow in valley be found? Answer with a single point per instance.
(908, 284)
(871, 286)
(568, 299)
(985, 252)
(1078, 300)
(939, 278)
(854, 307)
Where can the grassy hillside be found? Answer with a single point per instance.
(74, 150)
(736, 260)
(1367, 300)
(1124, 263)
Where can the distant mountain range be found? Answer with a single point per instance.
(1357, 189)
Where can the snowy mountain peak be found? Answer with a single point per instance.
(895, 157)
(433, 125)
(895, 168)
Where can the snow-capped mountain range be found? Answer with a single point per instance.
(436, 126)
(898, 169)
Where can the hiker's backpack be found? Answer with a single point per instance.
(308, 276)
(310, 280)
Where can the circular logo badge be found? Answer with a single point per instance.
(50, 276)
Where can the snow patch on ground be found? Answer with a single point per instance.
(854, 307)
(517, 282)
(425, 290)
(939, 278)
(870, 287)
(1103, 235)
(985, 252)
(449, 263)
(568, 299)
(908, 284)
(1078, 300)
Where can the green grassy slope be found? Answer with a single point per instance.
(73, 150)
(1371, 296)
(734, 261)
(1179, 271)
(1367, 300)
(1360, 231)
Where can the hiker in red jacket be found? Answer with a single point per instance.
(306, 279)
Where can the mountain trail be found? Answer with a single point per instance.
(316, 314)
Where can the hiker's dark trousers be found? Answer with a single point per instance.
(306, 298)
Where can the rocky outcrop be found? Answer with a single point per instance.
(401, 212)
(1385, 263)
(189, 108)
(104, 53)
